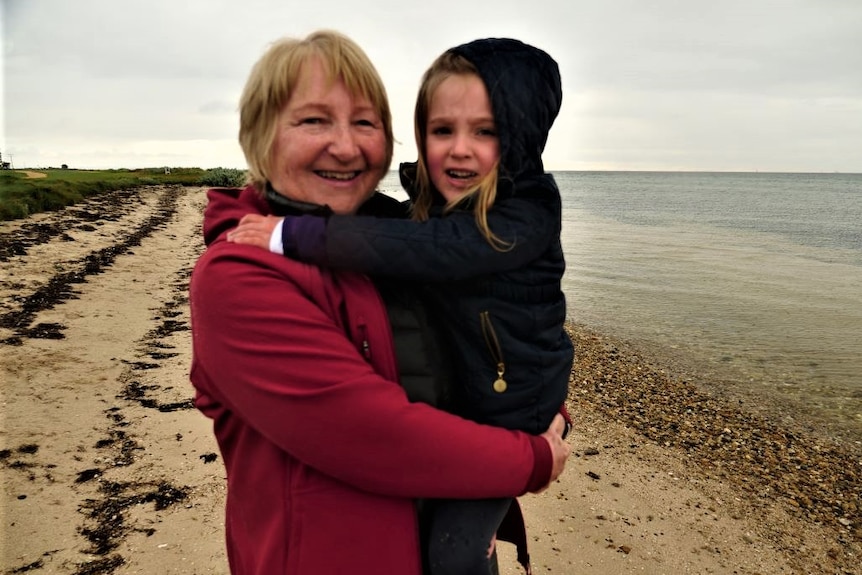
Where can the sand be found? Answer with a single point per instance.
(33, 175)
(107, 468)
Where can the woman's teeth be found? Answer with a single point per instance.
(338, 175)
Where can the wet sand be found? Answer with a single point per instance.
(107, 468)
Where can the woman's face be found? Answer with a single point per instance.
(461, 144)
(330, 146)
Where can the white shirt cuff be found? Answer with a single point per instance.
(275, 244)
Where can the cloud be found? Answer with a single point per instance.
(659, 85)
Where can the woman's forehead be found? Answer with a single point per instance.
(323, 74)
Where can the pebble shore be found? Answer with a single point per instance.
(815, 479)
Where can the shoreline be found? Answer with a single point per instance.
(741, 388)
(716, 431)
(107, 468)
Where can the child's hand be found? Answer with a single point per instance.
(254, 230)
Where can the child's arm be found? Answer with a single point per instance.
(450, 248)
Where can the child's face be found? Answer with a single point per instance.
(461, 140)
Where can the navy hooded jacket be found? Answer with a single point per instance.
(503, 311)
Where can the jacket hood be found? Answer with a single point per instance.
(225, 207)
(525, 89)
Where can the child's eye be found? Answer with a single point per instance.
(441, 131)
(491, 132)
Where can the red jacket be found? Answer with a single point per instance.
(323, 452)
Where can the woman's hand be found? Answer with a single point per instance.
(254, 230)
(560, 450)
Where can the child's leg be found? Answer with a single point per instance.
(461, 533)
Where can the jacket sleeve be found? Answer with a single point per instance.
(279, 363)
(449, 248)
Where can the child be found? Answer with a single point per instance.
(484, 245)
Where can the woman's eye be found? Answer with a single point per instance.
(312, 120)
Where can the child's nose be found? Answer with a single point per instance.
(461, 146)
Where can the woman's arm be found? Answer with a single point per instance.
(268, 348)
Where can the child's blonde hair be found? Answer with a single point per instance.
(482, 194)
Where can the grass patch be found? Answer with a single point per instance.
(22, 196)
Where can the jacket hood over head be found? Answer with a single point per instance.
(525, 89)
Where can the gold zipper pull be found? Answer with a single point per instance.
(500, 384)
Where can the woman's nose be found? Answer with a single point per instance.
(343, 144)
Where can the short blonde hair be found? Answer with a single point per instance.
(273, 78)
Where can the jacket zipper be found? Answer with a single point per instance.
(493, 344)
(364, 346)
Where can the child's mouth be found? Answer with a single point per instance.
(460, 174)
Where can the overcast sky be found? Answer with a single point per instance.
(723, 85)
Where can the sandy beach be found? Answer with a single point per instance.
(107, 467)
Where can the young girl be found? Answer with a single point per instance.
(484, 244)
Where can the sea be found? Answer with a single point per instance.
(749, 284)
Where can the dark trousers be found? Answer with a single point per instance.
(459, 533)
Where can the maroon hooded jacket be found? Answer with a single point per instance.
(323, 452)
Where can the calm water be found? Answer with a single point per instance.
(754, 279)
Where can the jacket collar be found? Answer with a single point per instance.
(282, 206)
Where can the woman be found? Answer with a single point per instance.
(295, 364)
